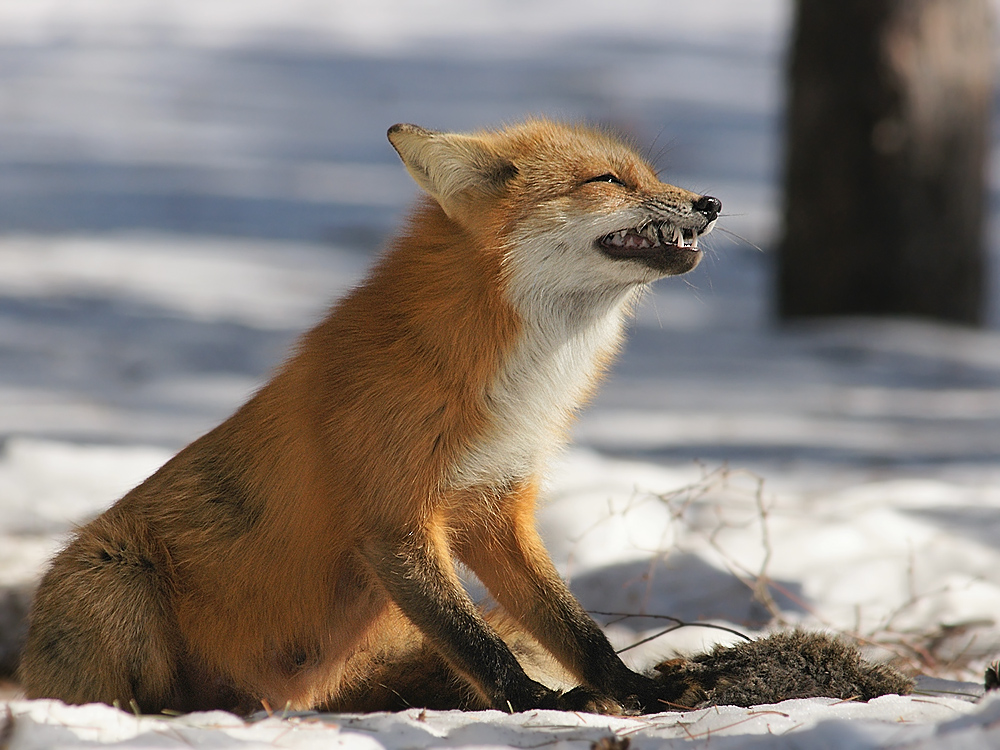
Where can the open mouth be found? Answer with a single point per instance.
(654, 236)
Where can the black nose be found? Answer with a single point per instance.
(709, 206)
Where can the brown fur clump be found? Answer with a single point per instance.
(779, 667)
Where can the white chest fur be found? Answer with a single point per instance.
(552, 369)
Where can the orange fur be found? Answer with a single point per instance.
(305, 548)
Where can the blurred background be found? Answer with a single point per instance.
(147, 146)
(186, 184)
(268, 119)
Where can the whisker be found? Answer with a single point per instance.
(649, 149)
(739, 237)
(657, 160)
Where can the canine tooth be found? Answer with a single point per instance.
(694, 238)
(678, 237)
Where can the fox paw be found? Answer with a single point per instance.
(588, 701)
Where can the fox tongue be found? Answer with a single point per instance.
(635, 242)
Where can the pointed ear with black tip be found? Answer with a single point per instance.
(453, 168)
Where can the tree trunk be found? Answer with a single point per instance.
(887, 145)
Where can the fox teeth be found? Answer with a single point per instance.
(654, 234)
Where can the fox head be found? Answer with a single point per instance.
(572, 208)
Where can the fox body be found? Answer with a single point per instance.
(303, 553)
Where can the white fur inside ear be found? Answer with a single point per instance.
(446, 165)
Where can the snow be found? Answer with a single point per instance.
(185, 186)
(891, 721)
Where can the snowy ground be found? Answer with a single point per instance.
(184, 186)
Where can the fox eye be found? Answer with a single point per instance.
(606, 177)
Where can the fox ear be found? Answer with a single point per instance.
(451, 167)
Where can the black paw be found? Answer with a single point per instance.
(589, 701)
(655, 695)
(582, 699)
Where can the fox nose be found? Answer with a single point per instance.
(708, 206)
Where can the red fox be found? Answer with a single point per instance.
(303, 553)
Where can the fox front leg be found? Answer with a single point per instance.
(508, 556)
(417, 573)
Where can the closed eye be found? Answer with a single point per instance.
(606, 177)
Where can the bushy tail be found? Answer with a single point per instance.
(101, 627)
